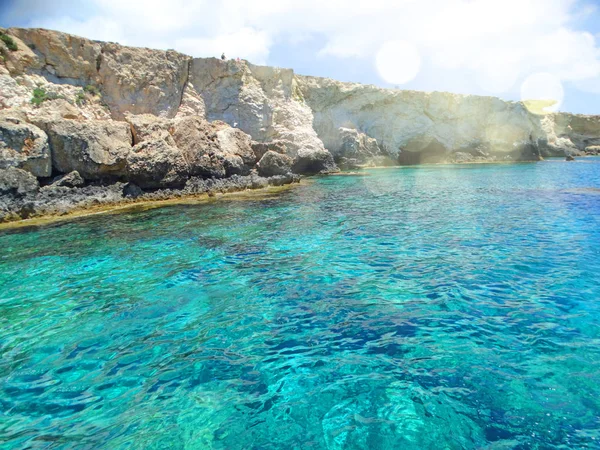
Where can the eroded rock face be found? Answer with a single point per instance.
(141, 81)
(17, 182)
(356, 149)
(260, 148)
(186, 146)
(155, 163)
(24, 146)
(415, 126)
(235, 147)
(264, 102)
(55, 54)
(96, 149)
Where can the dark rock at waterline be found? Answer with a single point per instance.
(273, 163)
(570, 158)
(132, 190)
(22, 198)
(312, 161)
(71, 179)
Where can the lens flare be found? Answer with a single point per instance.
(398, 62)
(542, 93)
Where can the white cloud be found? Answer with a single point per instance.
(496, 44)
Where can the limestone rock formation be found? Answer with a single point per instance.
(110, 123)
(313, 161)
(25, 146)
(263, 102)
(95, 149)
(155, 163)
(357, 149)
(419, 127)
(17, 181)
(260, 148)
(273, 163)
(235, 147)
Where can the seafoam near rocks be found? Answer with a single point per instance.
(155, 120)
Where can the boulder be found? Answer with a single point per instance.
(17, 182)
(155, 164)
(71, 180)
(569, 158)
(236, 150)
(197, 140)
(145, 127)
(260, 148)
(313, 161)
(25, 146)
(356, 148)
(273, 163)
(96, 149)
(132, 190)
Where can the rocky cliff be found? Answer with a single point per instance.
(85, 122)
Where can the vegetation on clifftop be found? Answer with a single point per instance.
(10, 43)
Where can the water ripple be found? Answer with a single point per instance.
(432, 307)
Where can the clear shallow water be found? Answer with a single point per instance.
(431, 307)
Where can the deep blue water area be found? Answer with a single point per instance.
(430, 307)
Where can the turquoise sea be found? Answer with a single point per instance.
(430, 307)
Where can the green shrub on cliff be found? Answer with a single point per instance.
(83, 96)
(93, 90)
(10, 43)
(39, 96)
(80, 98)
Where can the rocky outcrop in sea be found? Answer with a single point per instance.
(86, 123)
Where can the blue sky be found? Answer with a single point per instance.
(512, 49)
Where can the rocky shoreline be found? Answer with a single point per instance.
(22, 197)
(86, 123)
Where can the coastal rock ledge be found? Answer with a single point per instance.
(85, 123)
